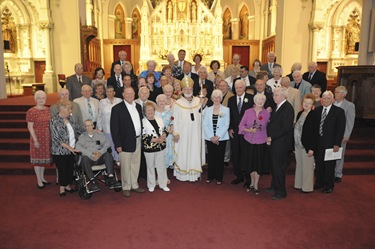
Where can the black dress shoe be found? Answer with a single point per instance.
(338, 179)
(236, 181)
(62, 194)
(316, 186)
(270, 190)
(70, 190)
(40, 187)
(327, 190)
(277, 197)
(46, 183)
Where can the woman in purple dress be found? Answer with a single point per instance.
(255, 152)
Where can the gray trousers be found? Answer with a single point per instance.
(106, 159)
(340, 163)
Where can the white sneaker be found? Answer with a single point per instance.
(166, 189)
(151, 190)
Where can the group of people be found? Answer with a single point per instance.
(183, 120)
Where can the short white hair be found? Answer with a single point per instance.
(150, 61)
(159, 97)
(328, 93)
(297, 72)
(39, 93)
(217, 93)
(166, 87)
(260, 96)
(281, 90)
(143, 87)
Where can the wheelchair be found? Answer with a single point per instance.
(81, 181)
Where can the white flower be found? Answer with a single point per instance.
(221, 115)
(245, 100)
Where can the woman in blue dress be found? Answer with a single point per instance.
(166, 115)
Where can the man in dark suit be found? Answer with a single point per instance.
(280, 139)
(238, 104)
(270, 64)
(116, 81)
(186, 71)
(331, 131)
(314, 76)
(122, 59)
(75, 82)
(126, 131)
(245, 77)
(202, 73)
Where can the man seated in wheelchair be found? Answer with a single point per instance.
(93, 145)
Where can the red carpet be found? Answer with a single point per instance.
(192, 215)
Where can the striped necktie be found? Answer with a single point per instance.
(239, 105)
(118, 81)
(324, 115)
(89, 108)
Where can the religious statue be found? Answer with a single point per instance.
(169, 11)
(193, 11)
(353, 30)
(244, 25)
(135, 26)
(118, 25)
(227, 27)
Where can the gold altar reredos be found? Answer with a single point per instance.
(176, 24)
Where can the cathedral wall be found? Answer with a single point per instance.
(66, 36)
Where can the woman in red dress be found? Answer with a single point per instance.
(38, 118)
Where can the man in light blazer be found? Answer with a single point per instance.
(126, 131)
(314, 76)
(293, 96)
(88, 105)
(349, 109)
(75, 82)
(280, 139)
(238, 104)
(303, 86)
(331, 133)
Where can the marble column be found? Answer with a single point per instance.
(336, 41)
(235, 29)
(273, 10)
(314, 35)
(49, 77)
(89, 11)
(25, 40)
(365, 57)
(128, 28)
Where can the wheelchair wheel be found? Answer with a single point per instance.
(83, 194)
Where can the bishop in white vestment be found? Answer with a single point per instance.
(187, 134)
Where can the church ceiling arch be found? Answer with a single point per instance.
(21, 13)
